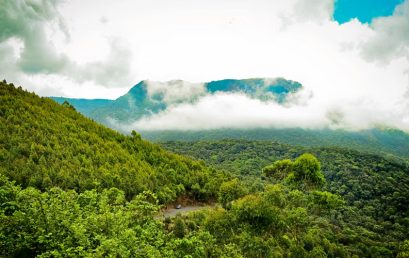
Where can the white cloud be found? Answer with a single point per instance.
(175, 91)
(356, 71)
(31, 29)
(235, 110)
(228, 110)
(313, 10)
(391, 36)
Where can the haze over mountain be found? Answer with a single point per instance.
(149, 98)
(179, 110)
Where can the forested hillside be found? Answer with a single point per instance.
(384, 141)
(44, 144)
(375, 188)
(70, 187)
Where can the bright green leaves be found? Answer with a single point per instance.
(279, 170)
(64, 223)
(45, 145)
(304, 173)
(307, 172)
(256, 211)
(404, 250)
(231, 190)
(326, 200)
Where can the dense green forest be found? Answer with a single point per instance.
(44, 144)
(384, 141)
(375, 188)
(70, 187)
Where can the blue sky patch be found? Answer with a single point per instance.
(364, 10)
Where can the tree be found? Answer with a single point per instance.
(279, 170)
(307, 173)
(179, 229)
(230, 191)
(404, 250)
(136, 135)
(326, 200)
(68, 105)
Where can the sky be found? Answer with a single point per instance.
(352, 57)
(363, 10)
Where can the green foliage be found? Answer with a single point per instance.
(404, 250)
(381, 141)
(273, 223)
(47, 145)
(65, 223)
(230, 191)
(304, 173)
(371, 219)
(179, 228)
(307, 173)
(326, 200)
(279, 170)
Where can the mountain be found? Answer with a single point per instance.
(44, 144)
(84, 106)
(150, 97)
(262, 88)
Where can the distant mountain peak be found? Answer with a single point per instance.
(149, 97)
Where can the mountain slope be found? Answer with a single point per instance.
(150, 97)
(44, 144)
(84, 106)
(381, 141)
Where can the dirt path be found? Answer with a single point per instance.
(169, 213)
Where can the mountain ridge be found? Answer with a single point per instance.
(151, 97)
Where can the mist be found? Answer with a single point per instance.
(200, 110)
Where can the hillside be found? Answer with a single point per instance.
(376, 140)
(375, 188)
(44, 144)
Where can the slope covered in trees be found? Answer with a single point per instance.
(44, 144)
(376, 189)
(383, 141)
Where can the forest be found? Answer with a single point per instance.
(70, 187)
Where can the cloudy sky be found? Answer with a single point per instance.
(351, 55)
